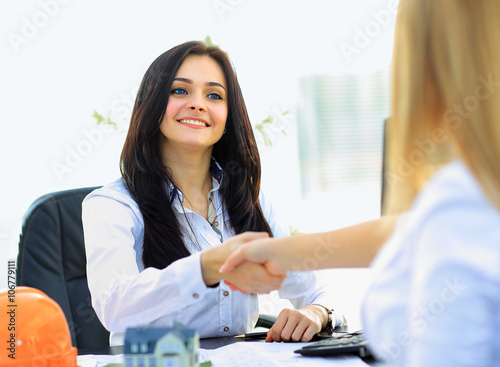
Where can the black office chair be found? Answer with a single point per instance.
(52, 258)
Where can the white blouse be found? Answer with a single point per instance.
(435, 300)
(124, 294)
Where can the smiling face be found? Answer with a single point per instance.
(197, 109)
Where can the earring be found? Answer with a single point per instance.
(224, 131)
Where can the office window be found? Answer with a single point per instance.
(152, 362)
(129, 362)
(340, 141)
(140, 362)
(340, 130)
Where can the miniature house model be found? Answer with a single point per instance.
(160, 347)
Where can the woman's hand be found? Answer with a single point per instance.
(248, 277)
(298, 325)
(252, 278)
(259, 251)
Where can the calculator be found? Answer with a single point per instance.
(342, 343)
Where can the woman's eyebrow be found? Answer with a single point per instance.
(215, 84)
(189, 81)
(184, 80)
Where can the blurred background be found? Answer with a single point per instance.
(315, 76)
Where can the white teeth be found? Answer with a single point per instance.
(192, 122)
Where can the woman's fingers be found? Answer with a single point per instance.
(256, 251)
(294, 325)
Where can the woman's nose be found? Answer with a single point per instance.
(197, 103)
(197, 107)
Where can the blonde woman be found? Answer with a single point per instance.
(435, 298)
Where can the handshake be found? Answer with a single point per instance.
(252, 262)
(248, 262)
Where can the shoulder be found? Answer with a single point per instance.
(114, 195)
(454, 223)
(454, 199)
(451, 185)
(278, 227)
(114, 190)
(265, 204)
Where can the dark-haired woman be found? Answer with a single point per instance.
(190, 180)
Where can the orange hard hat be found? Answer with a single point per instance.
(35, 330)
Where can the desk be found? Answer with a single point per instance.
(254, 354)
(258, 354)
(231, 351)
(205, 343)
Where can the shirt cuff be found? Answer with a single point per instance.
(340, 319)
(189, 278)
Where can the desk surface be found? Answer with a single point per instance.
(232, 347)
(205, 343)
(246, 354)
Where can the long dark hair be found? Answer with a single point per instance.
(145, 175)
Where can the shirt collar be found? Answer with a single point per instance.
(215, 171)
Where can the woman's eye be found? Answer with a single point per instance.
(214, 96)
(178, 91)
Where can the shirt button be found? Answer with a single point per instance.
(225, 293)
(196, 295)
(226, 329)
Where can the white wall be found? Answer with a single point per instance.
(60, 60)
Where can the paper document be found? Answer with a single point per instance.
(258, 354)
(255, 354)
(91, 360)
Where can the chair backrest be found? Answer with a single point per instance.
(52, 258)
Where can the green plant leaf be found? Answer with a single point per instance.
(101, 120)
(209, 43)
(294, 231)
(268, 120)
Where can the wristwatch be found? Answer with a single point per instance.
(334, 318)
(332, 322)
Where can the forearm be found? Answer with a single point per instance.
(211, 260)
(122, 296)
(353, 246)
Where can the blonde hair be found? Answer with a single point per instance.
(445, 102)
